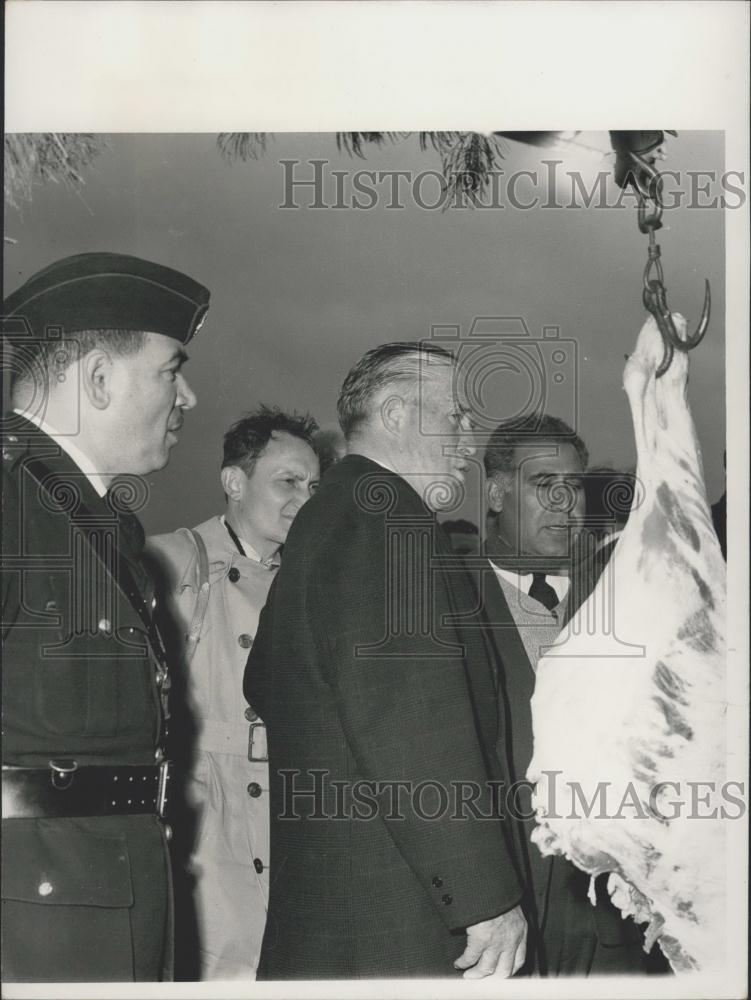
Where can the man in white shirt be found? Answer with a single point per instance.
(535, 508)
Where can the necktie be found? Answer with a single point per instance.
(543, 592)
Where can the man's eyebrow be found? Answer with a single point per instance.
(180, 355)
(555, 475)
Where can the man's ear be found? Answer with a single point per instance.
(495, 490)
(393, 413)
(96, 378)
(233, 482)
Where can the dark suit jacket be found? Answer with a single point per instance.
(84, 899)
(361, 674)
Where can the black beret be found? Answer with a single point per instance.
(97, 291)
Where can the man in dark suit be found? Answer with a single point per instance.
(98, 393)
(380, 710)
(531, 587)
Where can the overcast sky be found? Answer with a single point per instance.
(299, 294)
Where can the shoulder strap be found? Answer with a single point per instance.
(193, 634)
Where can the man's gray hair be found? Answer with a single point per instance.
(500, 453)
(384, 365)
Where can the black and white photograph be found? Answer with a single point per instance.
(375, 503)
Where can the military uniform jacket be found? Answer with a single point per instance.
(83, 898)
(364, 678)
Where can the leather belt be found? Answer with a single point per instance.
(67, 789)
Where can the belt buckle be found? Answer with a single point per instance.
(61, 773)
(161, 794)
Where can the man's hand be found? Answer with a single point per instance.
(495, 947)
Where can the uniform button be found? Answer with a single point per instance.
(254, 789)
(250, 715)
(105, 625)
(258, 865)
(45, 888)
(7, 454)
(167, 832)
(437, 881)
(446, 899)
(159, 755)
(234, 574)
(12, 439)
(245, 640)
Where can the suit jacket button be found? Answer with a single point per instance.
(254, 789)
(258, 865)
(234, 574)
(437, 881)
(446, 899)
(245, 640)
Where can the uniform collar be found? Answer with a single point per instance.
(66, 443)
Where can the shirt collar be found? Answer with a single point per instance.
(523, 581)
(271, 563)
(65, 441)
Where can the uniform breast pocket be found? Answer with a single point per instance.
(67, 898)
(95, 685)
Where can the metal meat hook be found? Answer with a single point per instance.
(655, 301)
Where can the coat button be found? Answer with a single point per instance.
(44, 889)
(104, 626)
(437, 881)
(258, 865)
(446, 899)
(234, 574)
(254, 789)
(245, 640)
(250, 715)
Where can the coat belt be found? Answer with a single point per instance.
(66, 789)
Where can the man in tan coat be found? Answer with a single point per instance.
(215, 580)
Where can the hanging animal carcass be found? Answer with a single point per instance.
(632, 694)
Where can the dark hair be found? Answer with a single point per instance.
(381, 366)
(329, 443)
(34, 358)
(512, 434)
(245, 440)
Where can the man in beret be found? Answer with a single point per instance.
(98, 398)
